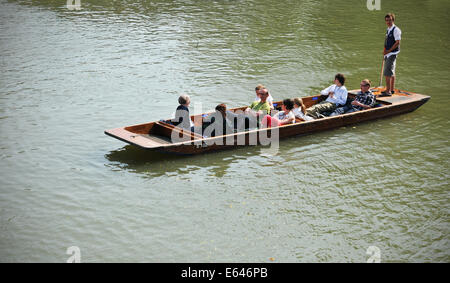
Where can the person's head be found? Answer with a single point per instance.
(184, 99)
(288, 105)
(222, 108)
(298, 102)
(263, 94)
(258, 88)
(339, 79)
(365, 85)
(389, 19)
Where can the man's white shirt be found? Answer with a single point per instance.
(340, 94)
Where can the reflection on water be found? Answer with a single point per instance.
(155, 164)
(151, 163)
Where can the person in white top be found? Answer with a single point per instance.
(391, 49)
(269, 99)
(182, 118)
(284, 117)
(300, 110)
(337, 96)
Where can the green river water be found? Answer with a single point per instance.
(68, 74)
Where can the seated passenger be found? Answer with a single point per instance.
(337, 96)
(219, 123)
(269, 99)
(182, 118)
(300, 110)
(286, 116)
(365, 98)
(257, 89)
(259, 107)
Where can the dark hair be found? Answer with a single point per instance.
(340, 77)
(222, 108)
(390, 15)
(289, 104)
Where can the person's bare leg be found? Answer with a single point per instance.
(392, 83)
(388, 84)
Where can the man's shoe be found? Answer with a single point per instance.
(384, 93)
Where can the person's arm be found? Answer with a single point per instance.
(397, 34)
(326, 91)
(289, 119)
(251, 111)
(357, 103)
(397, 43)
(343, 96)
(365, 106)
(270, 101)
(248, 109)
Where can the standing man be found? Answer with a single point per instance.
(391, 49)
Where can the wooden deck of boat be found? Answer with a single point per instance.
(157, 139)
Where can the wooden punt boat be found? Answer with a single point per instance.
(157, 135)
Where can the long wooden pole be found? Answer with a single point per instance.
(381, 73)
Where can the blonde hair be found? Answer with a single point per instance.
(299, 102)
(260, 86)
(183, 99)
(367, 82)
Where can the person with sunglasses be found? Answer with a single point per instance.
(258, 98)
(364, 99)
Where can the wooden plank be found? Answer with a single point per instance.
(158, 140)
